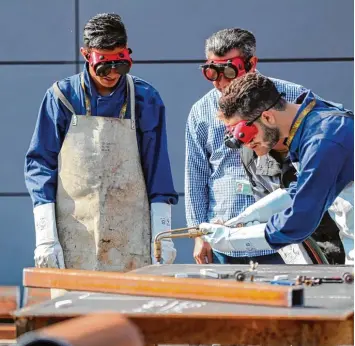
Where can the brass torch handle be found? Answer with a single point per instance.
(157, 250)
(194, 233)
(190, 232)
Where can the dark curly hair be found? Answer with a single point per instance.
(249, 96)
(105, 31)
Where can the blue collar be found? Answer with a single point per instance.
(304, 99)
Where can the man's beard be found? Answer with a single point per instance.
(271, 136)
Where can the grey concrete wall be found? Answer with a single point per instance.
(308, 42)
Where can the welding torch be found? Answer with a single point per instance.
(187, 232)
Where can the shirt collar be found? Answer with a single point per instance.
(304, 100)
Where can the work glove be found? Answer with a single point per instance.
(250, 239)
(262, 210)
(160, 216)
(48, 252)
(342, 212)
(226, 239)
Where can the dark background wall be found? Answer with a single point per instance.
(307, 42)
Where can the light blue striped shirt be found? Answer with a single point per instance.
(212, 169)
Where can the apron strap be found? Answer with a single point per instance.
(61, 97)
(132, 101)
(87, 100)
(67, 104)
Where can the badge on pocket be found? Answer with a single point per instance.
(243, 187)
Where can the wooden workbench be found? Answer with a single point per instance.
(327, 317)
(9, 302)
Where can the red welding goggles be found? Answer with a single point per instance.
(231, 68)
(239, 134)
(104, 63)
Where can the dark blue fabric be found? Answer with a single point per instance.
(324, 148)
(220, 258)
(41, 162)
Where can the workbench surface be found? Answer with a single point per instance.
(334, 301)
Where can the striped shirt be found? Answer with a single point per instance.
(212, 170)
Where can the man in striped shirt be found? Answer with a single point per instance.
(216, 186)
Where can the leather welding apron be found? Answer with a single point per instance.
(102, 209)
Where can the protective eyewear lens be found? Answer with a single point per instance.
(104, 69)
(231, 142)
(212, 72)
(229, 72)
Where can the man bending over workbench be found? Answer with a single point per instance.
(314, 131)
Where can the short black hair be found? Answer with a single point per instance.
(105, 31)
(248, 96)
(223, 41)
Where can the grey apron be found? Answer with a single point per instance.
(102, 209)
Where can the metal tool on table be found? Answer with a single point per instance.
(251, 272)
(300, 280)
(347, 277)
(283, 282)
(190, 232)
(239, 275)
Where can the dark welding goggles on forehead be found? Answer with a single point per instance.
(244, 131)
(104, 63)
(231, 69)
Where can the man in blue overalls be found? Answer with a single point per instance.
(320, 139)
(97, 168)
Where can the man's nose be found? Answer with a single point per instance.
(219, 80)
(113, 72)
(249, 144)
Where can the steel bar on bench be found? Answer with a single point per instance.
(161, 286)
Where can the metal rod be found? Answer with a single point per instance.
(183, 229)
(163, 286)
(176, 236)
(177, 230)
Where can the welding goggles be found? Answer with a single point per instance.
(241, 133)
(244, 131)
(231, 68)
(104, 63)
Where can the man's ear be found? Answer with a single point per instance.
(268, 118)
(84, 52)
(253, 62)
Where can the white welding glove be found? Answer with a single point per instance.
(262, 210)
(226, 239)
(342, 212)
(252, 238)
(48, 252)
(160, 216)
